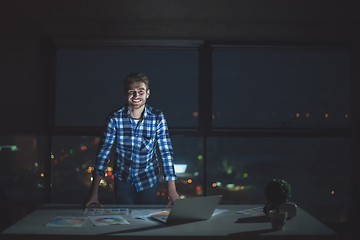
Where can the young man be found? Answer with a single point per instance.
(137, 129)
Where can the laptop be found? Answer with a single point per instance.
(190, 209)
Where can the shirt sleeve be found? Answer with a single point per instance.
(106, 142)
(165, 148)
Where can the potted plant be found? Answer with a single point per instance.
(277, 192)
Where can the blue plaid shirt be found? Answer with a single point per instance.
(136, 158)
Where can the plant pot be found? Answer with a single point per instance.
(290, 208)
(277, 219)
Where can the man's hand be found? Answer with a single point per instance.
(173, 195)
(93, 196)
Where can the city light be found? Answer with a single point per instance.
(326, 115)
(103, 182)
(230, 186)
(213, 185)
(195, 114)
(307, 114)
(245, 175)
(42, 174)
(189, 181)
(332, 192)
(90, 169)
(180, 168)
(297, 114)
(200, 157)
(12, 148)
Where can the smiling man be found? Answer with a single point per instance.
(136, 129)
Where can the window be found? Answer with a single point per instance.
(89, 84)
(317, 169)
(219, 124)
(271, 88)
(22, 170)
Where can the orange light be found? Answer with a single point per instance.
(195, 114)
(189, 181)
(213, 185)
(242, 187)
(298, 115)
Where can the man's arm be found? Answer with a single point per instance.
(93, 196)
(106, 143)
(166, 151)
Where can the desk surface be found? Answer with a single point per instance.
(228, 223)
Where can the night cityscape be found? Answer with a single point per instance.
(236, 168)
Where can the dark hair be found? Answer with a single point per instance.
(133, 78)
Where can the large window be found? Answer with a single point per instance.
(238, 117)
(89, 84)
(270, 88)
(317, 169)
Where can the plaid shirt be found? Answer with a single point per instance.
(136, 158)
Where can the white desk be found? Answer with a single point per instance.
(228, 224)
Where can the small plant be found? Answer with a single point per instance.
(277, 192)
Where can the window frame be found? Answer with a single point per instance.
(205, 93)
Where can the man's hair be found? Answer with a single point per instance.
(133, 78)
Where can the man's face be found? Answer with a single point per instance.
(137, 95)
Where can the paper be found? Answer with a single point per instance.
(61, 221)
(105, 220)
(106, 211)
(145, 213)
(218, 211)
(253, 211)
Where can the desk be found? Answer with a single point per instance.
(228, 224)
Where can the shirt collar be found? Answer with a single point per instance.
(127, 111)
